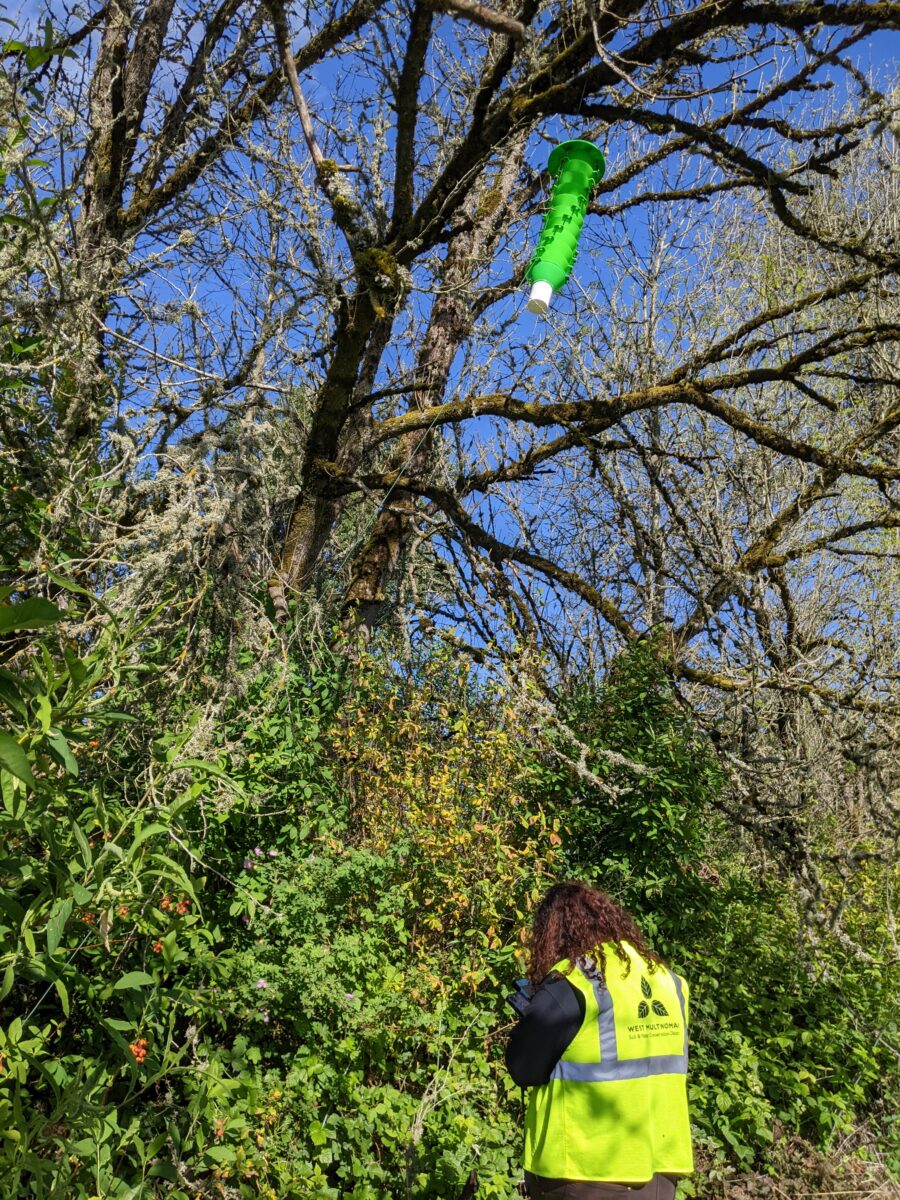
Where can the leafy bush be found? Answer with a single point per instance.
(281, 972)
(107, 961)
(784, 1036)
(378, 935)
(654, 824)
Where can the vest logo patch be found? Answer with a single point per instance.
(657, 1006)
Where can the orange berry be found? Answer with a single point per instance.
(139, 1049)
(157, 947)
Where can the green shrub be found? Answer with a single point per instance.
(281, 972)
(107, 961)
(784, 1036)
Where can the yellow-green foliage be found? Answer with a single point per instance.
(432, 760)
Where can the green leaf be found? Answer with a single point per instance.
(62, 750)
(197, 764)
(87, 856)
(63, 994)
(12, 756)
(150, 831)
(164, 1170)
(220, 1154)
(11, 908)
(44, 710)
(318, 1134)
(67, 583)
(82, 894)
(10, 694)
(134, 979)
(77, 669)
(34, 613)
(56, 925)
(35, 57)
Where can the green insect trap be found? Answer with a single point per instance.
(576, 168)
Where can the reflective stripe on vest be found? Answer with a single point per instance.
(611, 1067)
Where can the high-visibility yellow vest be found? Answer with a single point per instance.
(616, 1105)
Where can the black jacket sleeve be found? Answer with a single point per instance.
(550, 1022)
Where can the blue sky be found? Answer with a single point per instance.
(880, 54)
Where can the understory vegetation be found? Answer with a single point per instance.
(278, 969)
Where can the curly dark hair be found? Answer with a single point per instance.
(573, 921)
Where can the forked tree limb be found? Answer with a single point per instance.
(480, 14)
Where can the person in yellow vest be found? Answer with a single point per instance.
(602, 1043)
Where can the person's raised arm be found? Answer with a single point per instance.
(548, 1025)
